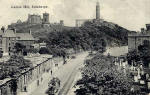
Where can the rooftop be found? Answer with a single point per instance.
(4, 81)
(38, 59)
(9, 33)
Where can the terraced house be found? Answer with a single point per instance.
(9, 37)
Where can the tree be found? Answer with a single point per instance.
(101, 77)
(32, 50)
(15, 65)
(13, 85)
(144, 52)
(64, 54)
(19, 47)
(43, 50)
(133, 56)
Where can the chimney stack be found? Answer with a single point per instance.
(3, 29)
(148, 27)
(142, 30)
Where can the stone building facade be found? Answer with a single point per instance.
(136, 39)
(80, 22)
(25, 39)
(9, 37)
(28, 80)
(34, 19)
(45, 18)
(8, 40)
(37, 19)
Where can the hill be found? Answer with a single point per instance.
(38, 30)
(91, 35)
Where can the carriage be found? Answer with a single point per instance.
(53, 86)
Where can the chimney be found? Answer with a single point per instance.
(3, 29)
(142, 30)
(148, 27)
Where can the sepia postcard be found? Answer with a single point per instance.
(74, 47)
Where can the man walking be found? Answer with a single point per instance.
(51, 72)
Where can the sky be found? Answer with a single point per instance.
(130, 14)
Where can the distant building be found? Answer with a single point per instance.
(9, 37)
(37, 19)
(25, 39)
(45, 18)
(39, 45)
(8, 41)
(42, 45)
(34, 19)
(136, 39)
(80, 22)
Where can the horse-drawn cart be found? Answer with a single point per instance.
(54, 86)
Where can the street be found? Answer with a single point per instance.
(65, 73)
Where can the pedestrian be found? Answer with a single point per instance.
(51, 72)
(59, 83)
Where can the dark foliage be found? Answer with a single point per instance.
(144, 52)
(53, 86)
(44, 51)
(19, 47)
(15, 65)
(101, 77)
(141, 54)
(88, 37)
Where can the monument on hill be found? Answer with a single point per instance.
(97, 11)
(80, 22)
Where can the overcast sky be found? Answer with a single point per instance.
(131, 14)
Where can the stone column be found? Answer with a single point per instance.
(136, 79)
(148, 84)
(132, 66)
(139, 76)
(147, 76)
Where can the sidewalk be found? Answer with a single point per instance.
(40, 90)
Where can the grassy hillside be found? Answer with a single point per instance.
(92, 35)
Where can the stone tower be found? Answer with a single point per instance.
(45, 18)
(97, 11)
